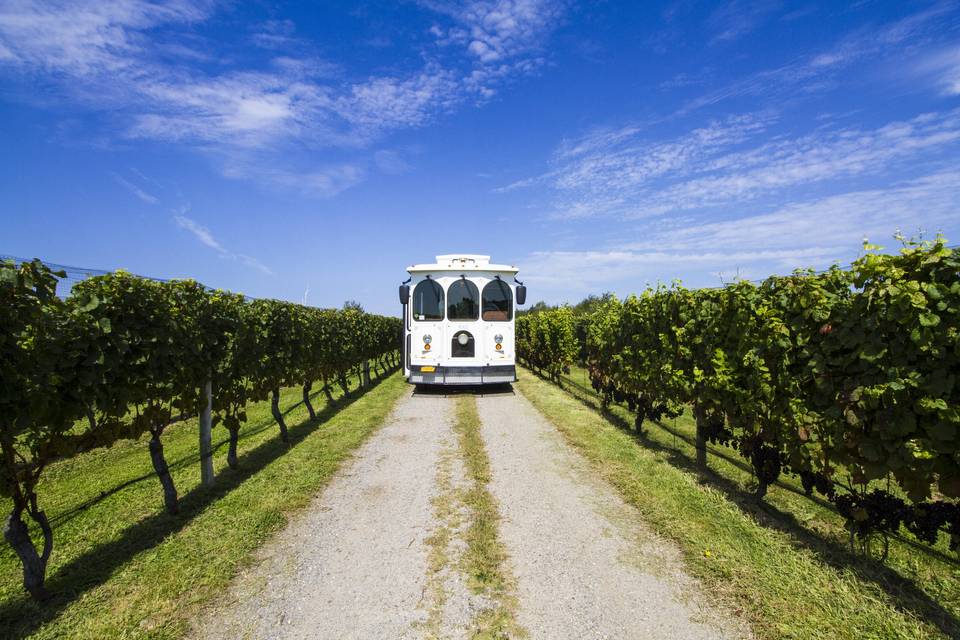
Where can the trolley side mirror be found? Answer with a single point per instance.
(404, 293)
(521, 294)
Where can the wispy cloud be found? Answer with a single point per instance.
(737, 18)
(200, 232)
(81, 39)
(577, 273)
(622, 173)
(112, 56)
(607, 161)
(493, 31)
(944, 68)
(206, 238)
(134, 189)
(391, 162)
(812, 233)
(840, 220)
(324, 181)
(274, 34)
(814, 72)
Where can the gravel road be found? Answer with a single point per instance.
(353, 564)
(357, 562)
(585, 564)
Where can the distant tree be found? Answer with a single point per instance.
(591, 303)
(534, 309)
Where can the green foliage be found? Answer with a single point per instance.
(547, 340)
(845, 376)
(130, 355)
(39, 401)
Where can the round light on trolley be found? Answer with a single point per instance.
(426, 347)
(427, 339)
(498, 347)
(498, 338)
(463, 339)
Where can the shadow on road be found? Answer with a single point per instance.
(479, 390)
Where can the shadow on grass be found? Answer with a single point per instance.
(902, 592)
(184, 461)
(21, 617)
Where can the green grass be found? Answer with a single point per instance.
(484, 559)
(447, 511)
(123, 568)
(782, 565)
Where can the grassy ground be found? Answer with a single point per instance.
(484, 559)
(783, 564)
(123, 568)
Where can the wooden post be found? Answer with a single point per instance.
(206, 436)
(366, 373)
(701, 418)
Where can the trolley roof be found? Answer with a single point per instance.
(461, 262)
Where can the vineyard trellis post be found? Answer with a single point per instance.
(206, 435)
(700, 417)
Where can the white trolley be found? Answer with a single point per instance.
(458, 318)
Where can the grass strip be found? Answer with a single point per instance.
(446, 509)
(122, 568)
(783, 586)
(484, 559)
(919, 578)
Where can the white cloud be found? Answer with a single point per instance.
(737, 18)
(818, 157)
(204, 235)
(814, 72)
(81, 38)
(814, 233)
(200, 232)
(391, 162)
(380, 104)
(584, 272)
(135, 190)
(493, 31)
(944, 67)
(275, 34)
(841, 220)
(252, 110)
(115, 57)
(324, 181)
(622, 173)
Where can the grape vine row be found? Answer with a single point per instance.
(844, 378)
(122, 356)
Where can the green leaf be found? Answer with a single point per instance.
(929, 319)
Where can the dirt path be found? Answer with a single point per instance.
(353, 565)
(376, 555)
(586, 566)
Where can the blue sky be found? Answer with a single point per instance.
(312, 151)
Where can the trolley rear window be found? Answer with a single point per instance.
(497, 301)
(428, 301)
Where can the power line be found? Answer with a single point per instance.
(76, 273)
(79, 274)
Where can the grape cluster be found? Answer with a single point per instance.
(766, 460)
(927, 519)
(715, 429)
(874, 512)
(816, 481)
